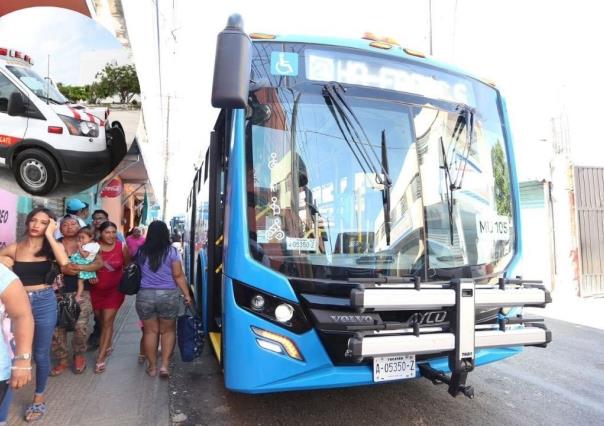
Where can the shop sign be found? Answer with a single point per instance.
(113, 189)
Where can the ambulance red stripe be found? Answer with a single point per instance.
(6, 140)
(75, 113)
(92, 118)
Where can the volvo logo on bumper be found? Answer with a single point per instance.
(424, 318)
(352, 319)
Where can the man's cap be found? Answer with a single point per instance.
(75, 205)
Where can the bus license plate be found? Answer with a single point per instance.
(393, 368)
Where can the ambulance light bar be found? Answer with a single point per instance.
(16, 54)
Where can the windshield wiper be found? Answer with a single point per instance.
(352, 125)
(386, 190)
(465, 119)
(351, 129)
(48, 98)
(450, 187)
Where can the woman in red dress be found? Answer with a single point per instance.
(106, 298)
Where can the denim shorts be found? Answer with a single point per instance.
(165, 304)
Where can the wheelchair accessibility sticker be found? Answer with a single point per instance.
(284, 63)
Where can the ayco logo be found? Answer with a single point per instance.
(351, 318)
(432, 317)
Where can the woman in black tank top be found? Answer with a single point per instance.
(32, 260)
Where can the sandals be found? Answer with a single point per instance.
(151, 371)
(164, 373)
(99, 367)
(79, 364)
(109, 351)
(58, 369)
(141, 358)
(35, 411)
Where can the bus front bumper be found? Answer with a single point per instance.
(457, 349)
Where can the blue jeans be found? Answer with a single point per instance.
(5, 405)
(44, 310)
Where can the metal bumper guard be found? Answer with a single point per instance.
(464, 337)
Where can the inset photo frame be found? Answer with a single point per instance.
(69, 102)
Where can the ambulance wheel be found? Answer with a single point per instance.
(36, 171)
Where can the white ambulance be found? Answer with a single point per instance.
(46, 140)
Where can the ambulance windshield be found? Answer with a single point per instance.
(43, 88)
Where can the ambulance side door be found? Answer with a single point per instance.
(12, 128)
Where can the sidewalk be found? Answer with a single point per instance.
(123, 395)
(568, 307)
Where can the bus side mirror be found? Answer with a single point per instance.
(15, 106)
(232, 66)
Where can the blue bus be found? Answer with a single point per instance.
(355, 219)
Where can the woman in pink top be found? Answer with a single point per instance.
(135, 240)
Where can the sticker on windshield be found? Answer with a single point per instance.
(304, 244)
(493, 228)
(284, 63)
(274, 230)
(261, 236)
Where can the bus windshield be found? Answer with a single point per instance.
(43, 88)
(355, 184)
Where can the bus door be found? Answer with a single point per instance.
(217, 188)
(13, 117)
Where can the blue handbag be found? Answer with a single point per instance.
(190, 335)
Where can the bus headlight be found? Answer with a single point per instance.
(257, 302)
(284, 313)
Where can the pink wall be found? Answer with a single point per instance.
(8, 217)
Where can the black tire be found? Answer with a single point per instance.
(116, 142)
(36, 171)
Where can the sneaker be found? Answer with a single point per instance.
(79, 364)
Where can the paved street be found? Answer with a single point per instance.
(129, 120)
(123, 395)
(561, 385)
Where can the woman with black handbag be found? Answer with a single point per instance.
(158, 301)
(36, 261)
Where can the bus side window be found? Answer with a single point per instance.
(198, 178)
(206, 168)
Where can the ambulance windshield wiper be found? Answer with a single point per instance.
(357, 140)
(53, 100)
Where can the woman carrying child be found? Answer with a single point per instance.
(73, 241)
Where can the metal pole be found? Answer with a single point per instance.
(430, 24)
(166, 161)
(161, 97)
